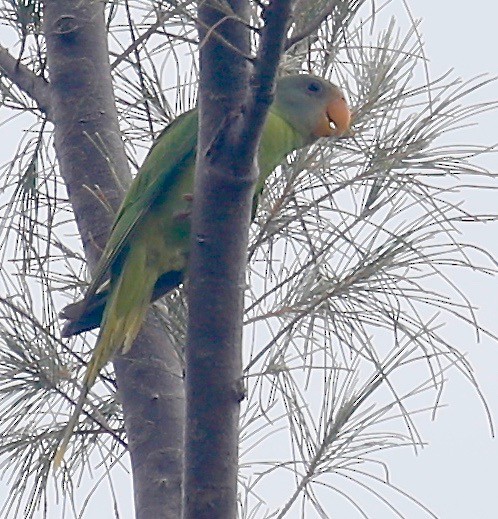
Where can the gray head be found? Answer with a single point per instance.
(313, 106)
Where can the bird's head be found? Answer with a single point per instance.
(313, 106)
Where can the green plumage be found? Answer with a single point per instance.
(146, 254)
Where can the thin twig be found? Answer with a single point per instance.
(212, 32)
(138, 41)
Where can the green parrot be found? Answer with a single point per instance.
(146, 254)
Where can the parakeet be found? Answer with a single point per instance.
(146, 254)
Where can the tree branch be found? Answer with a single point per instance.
(271, 46)
(312, 26)
(20, 75)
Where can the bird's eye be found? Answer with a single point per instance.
(314, 86)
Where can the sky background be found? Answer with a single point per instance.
(456, 474)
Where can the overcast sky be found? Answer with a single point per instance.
(456, 475)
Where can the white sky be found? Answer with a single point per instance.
(456, 475)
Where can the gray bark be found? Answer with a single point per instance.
(220, 220)
(90, 153)
(232, 113)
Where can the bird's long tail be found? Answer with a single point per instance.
(123, 317)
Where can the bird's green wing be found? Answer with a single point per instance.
(158, 173)
(305, 108)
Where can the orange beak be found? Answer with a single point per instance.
(339, 115)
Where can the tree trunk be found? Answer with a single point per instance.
(93, 164)
(221, 216)
(235, 93)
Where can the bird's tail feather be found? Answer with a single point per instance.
(73, 420)
(122, 320)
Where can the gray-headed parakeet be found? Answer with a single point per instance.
(146, 254)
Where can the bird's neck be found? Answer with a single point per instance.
(278, 139)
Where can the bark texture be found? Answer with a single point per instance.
(93, 164)
(234, 96)
(222, 208)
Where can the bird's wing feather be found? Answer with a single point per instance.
(157, 174)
